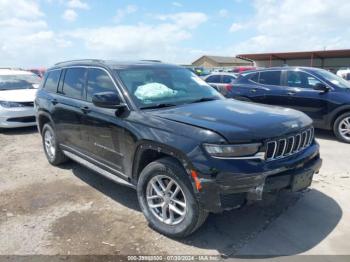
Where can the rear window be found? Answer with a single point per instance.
(213, 79)
(227, 79)
(52, 80)
(74, 82)
(270, 78)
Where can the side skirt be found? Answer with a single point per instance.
(97, 169)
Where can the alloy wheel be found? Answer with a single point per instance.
(166, 200)
(49, 141)
(344, 128)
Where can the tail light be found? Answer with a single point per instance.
(228, 87)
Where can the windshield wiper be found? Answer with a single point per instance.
(204, 99)
(158, 106)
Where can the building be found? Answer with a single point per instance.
(221, 62)
(328, 59)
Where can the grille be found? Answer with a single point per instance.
(290, 145)
(31, 104)
(24, 119)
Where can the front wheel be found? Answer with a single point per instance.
(341, 127)
(167, 199)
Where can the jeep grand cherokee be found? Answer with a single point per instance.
(160, 129)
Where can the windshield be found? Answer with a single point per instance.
(150, 87)
(15, 82)
(334, 79)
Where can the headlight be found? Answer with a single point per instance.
(10, 104)
(242, 150)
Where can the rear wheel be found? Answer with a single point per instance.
(167, 199)
(52, 151)
(341, 127)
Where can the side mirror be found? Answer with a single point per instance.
(107, 100)
(321, 87)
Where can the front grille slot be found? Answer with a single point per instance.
(290, 145)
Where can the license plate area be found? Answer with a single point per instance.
(302, 181)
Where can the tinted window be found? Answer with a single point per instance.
(52, 81)
(98, 81)
(74, 82)
(19, 81)
(227, 79)
(213, 79)
(254, 77)
(270, 78)
(301, 79)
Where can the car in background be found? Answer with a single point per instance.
(38, 71)
(240, 69)
(322, 95)
(17, 94)
(221, 81)
(344, 73)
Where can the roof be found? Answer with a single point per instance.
(298, 55)
(112, 63)
(224, 59)
(7, 71)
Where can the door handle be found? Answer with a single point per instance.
(253, 90)
(54, 101)
(292, 93)
(85, 109)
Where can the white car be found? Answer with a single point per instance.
(17, 94)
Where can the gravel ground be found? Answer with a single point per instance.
(71, 210)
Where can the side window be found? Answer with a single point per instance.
(52, 81)
(74, 82)
(301, 79)
(226, 79)
(213, 79)
(270, 78)
(98, 81)
(254, 77)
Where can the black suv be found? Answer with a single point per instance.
(162, 130)
(322, 95)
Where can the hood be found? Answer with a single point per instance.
(238, 121)
(22, 95)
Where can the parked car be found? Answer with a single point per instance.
(38, 71)
(322, 95)
(162, 130)
(17, 93)
(221, 81)
(240, 69)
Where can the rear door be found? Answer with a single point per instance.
(69, 108)
(102, 129)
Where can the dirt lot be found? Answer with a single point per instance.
(71, 210)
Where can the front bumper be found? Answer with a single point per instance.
(229, 190)
(17, 117)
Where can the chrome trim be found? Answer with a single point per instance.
(97, 169)
(93, 159)
(306, 134)
(259, 155)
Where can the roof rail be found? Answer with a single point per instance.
(79, 60)
(150, 60)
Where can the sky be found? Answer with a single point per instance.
(35, 33)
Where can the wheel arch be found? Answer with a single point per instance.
(338, 112)
(42, 119)
(149, 151)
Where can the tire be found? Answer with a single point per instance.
(342, 123)
(168, 169)
(54, 155)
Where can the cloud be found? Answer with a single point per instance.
(122, 12)
(185, 19)
(223, 13)
(294, 25)
(177, 4)
(70, 15)
(235, 27)
(77, 4)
